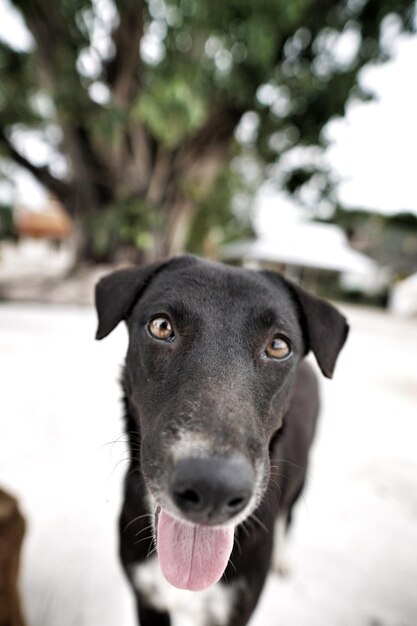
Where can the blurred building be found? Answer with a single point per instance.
(43, 245)
(403, 297)
(308, 252)
(51, 223)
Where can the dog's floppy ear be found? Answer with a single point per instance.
(325, 329)
(116, 294)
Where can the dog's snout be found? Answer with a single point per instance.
(212, 489)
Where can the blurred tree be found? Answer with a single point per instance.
(141, 102)
(7, 230)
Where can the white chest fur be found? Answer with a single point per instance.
(186, 608)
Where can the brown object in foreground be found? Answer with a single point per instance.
(12, 529)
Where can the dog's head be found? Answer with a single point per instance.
(212, 358)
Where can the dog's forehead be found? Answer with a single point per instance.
(225, 289)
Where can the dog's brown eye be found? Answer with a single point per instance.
(161, 328)
(278, 348)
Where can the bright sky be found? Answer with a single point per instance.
(374, 148)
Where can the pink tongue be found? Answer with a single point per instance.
(192, 556)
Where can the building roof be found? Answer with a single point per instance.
(303, 243)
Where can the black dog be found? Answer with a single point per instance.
(220, 412)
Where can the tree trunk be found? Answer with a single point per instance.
(171, 240)
(86, 251)
(194, 166)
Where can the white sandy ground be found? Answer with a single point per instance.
(354, 545)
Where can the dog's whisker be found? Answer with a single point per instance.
(120, 461)
(151, 552)
(233, 565)
(124, 441)
(136, 519)
(112, 443)
(238, 545)
(150, 538)
(133, 433)
(272, 479)
(135, 470)
(279, 475)
(258, 521)
(278, 489)
(249, 524)
(243, 527)
(274, 471)
(287, 462)
(143, 530)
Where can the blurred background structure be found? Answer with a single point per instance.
(257, 132)
(160, 126)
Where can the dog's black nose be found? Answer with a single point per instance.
(212, 489)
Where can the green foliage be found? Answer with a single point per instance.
(7, 229)
(175, 78)
(17, 87)
(127, 223)
(172, 109)
(217, 221)
(351, 219)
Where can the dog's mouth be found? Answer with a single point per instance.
(192, 556)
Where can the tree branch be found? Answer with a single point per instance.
(42, 174)
(211, 141)
(122, 70)
(50, 31)
(57, 48)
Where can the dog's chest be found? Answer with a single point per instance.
(186, 608)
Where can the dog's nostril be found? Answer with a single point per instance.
(235, 502)
(187, 496)
(236, 505)
(190, 495)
